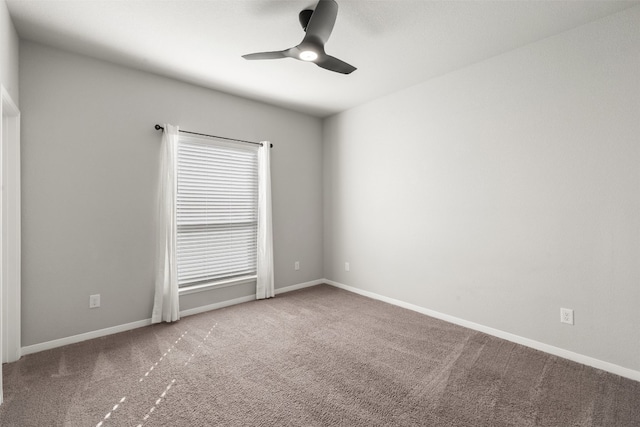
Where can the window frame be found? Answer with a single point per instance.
(216, 283)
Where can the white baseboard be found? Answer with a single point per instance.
(48, 345)
(35, 348)
(556, 351)
(248, 298)
(217, 305)
(299, 286)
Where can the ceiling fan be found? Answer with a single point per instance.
(318, 25)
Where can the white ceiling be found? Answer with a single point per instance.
(394, 44)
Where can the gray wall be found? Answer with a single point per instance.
(503, 191)
(89, 168)
(8, 53)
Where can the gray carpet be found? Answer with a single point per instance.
(315, 357)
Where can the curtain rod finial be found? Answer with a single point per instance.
(158, 127)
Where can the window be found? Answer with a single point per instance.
(216, 212)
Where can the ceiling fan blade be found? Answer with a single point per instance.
(267, 55)
(322, 21)
(328, 62)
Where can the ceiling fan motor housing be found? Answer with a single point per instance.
(305, 17)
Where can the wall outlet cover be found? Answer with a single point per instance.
(566, 316)
(94, 301)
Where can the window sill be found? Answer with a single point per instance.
(215, 285)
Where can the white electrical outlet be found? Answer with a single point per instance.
(566, 315)
(94, 301)
(347, 267)
(296, 265)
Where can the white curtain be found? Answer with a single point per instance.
(165, 306)
(264, 284)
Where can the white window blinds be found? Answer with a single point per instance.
(216, 210)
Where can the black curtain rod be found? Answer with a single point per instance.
(158, 127)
